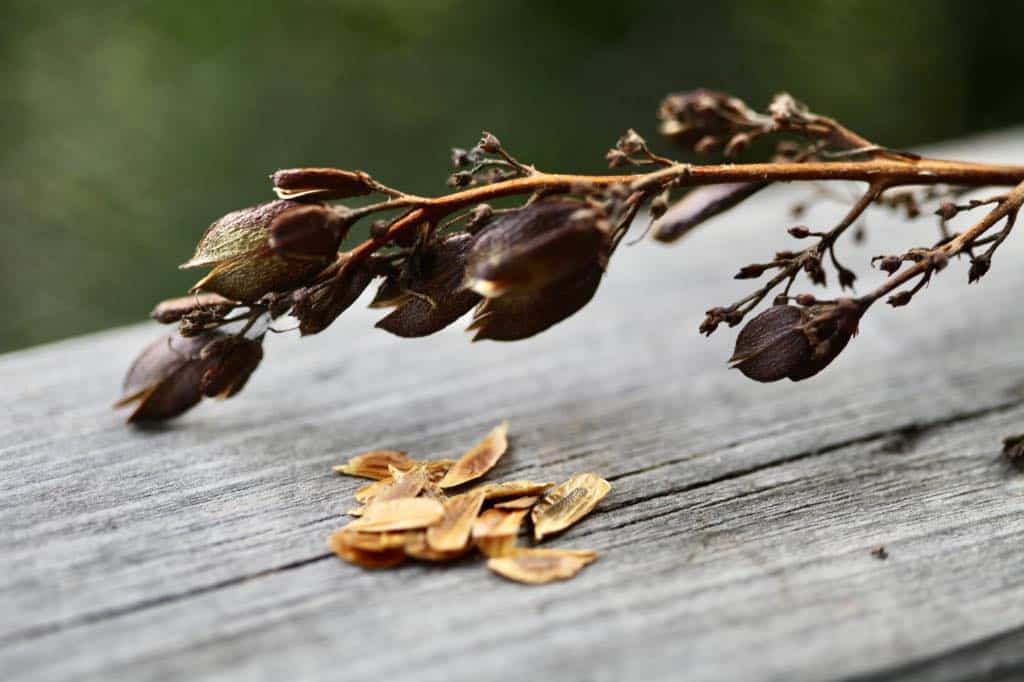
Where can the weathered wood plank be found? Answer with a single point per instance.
(736, 536)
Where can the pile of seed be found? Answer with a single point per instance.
(424, 509)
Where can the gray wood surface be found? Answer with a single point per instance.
(735, 543)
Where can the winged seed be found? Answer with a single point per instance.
(563, 506)
(539, 566)
(480, 459)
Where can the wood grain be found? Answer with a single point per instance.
(735, 543)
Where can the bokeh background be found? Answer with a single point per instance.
(126, 127)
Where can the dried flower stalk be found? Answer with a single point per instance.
(524, 269)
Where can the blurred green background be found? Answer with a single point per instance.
(126, 127)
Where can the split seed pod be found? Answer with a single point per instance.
(429, 294)
(517, 316)
(317, 306)
(173, 373)
(536, 246)
(270, 247)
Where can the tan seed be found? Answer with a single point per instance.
(451, 533)
(563, 506)
(480, 459)
(505, 489)
(518, 503)
(407, 513)
(361, 557)
(375, 463)
(495, 531)
(538, 566)
(416, 547)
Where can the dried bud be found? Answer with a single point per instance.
(659, 205)
(712, 318)
(806, 299)
(317, 306)
(979, 266)
(489, 143)
(478, 217)
(900, 298)
(321, 183)
(799, 232)
(707, 144)
(172, 374)
(890, 264)
(173, 309)
(616, 158)
(947, 210)
(246, 265)
(428, 294)
(536, 245)
(460, 179)
(796, 343)
(752, 271)
(631, 143)
(687, 117)
(816, 273)
(737, 144)
(938, 261)
(846, 278)
(378, 229)
(461, 158)
(521, 314)
(699, 205)
(785, 109)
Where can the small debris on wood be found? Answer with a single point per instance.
(406, 513)
(1013, 450)
(880, 552)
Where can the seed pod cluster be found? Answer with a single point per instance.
(175, 372)
(423, 510)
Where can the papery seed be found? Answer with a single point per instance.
(563, 506)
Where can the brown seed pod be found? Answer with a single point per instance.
(786, 341)
(699, 205)
(245, 266)
(431, 295)
(519, 316)
(173, 309)
(321, 183)
(538, 245)
(317, 306)
(173, 373)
